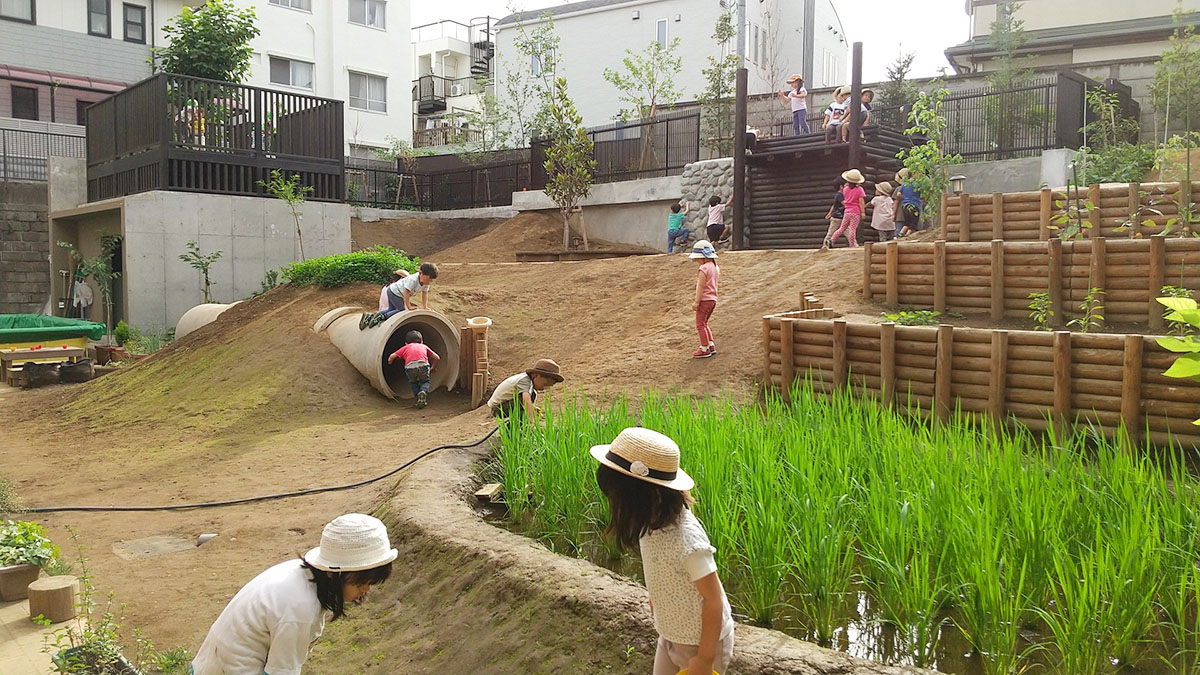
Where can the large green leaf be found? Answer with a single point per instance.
(1179, 345)
(1187, 365)
(1178, 304)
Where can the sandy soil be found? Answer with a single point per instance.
(418, 236)
(526, 232)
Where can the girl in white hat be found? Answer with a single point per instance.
(707, 277)
(854, 204)
(649, 505)
(269, 626)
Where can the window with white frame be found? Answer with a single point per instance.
(99, 23)
(291, 73)
(305, 5)
(17, 10)
(537, 64)
(660, 32)
(368, 92)
(371, 13)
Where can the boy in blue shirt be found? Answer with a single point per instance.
(907, 206)
(676, 232)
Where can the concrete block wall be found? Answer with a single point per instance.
(700, 182)
(629, 212)
(24, 247)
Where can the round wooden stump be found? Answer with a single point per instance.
(53, 598)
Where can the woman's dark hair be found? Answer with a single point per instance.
(714, 200)
(429, 270)
(331, 585)
(413, 336)
(636, 507)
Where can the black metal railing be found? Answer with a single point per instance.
(985, 123)
(629, 151)
(771, 125)
(23, 154)
(173, 132)
(429, 93)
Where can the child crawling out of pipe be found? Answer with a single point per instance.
(516, 396)
(419, 361)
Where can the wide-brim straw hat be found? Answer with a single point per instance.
(854, 176)
(837, 92)
(902, 175)
(703, 249)
(645, 455)
(867, 90)
(352, 543)
(547, 368)
(884, 188)
(794, 78)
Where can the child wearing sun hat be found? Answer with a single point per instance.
(706, 295)
(854, 202)
(650, 506)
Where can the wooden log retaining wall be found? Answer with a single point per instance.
(996, 277)
(1032, 378)
(1027, 216)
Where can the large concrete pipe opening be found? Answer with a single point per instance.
(368, 350)
(199, 317)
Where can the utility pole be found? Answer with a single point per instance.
(741, 33)
(739, 162)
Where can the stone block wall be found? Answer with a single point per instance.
(701, 181)
(24, 247)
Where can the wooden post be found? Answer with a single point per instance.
(740, 240)
(944, 363)
(939, 276)
(839, 353)
(1094, 214)
(466, 358)
(1135, 201)
(866, 271)
(1062, 381)
(53, 598)
(1099, 272)
(766, 323)
(478, 386)
(964, 217)
(892, 260)
(1054, 260)
(1046, 202)
(998, 215)
(1131, 387)
(787, 354)
(998, 381)
(943, 225)
(997, 266)
(887, 363)
(1158, 263)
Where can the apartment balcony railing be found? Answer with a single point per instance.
(173, 132)
(429, 93)
(23, 154)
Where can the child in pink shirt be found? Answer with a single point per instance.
(854, 200)
(706, 296)
(419, 361)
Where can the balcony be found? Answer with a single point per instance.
(173, 132)
(429, 93)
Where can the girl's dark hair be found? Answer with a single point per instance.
(331, 585)
(413, 336)
(636, 507)
(429, 270)
(714, 200)
(395, 278)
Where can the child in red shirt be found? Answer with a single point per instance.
(706, 296)
(419, 361)
(854, 199)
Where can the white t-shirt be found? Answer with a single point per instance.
(512, 387)
(716, 214)
(798, 99)
(673, 559)
(411, 283)
(835, 112)
(269, 626)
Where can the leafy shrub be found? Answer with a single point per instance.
(1119, 163)
(1040, 310)
(25, 543)
(150, 341)
(372, 266)
(123, 333)
(1187, 364)
(916, 317)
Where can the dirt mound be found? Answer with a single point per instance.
(525, 232)
(419, 236)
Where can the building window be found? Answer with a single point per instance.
(24, 103)
(371, 13)
(305, 5)
(17, 10)
(81, 112)
(754, 49)
(99, 21)
(368, 92)
(135, 24)
(536, 64)
(291, 73)
(660, 32)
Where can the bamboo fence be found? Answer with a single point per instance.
(1036, 379)
(1028, 216)
(996, 277)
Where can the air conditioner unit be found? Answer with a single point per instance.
(457, 90)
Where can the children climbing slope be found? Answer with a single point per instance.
(419, 361)
(676, 232)
(649, 504)
(854, 198)
(706, 296)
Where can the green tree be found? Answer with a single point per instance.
(1107, 154)
(570, 166)
(212, 42)
(1008, 112)
(290, 191)
(1175, 94)
(202, 263)
(647, 84)
(538, 68)
(927, 163)
(100, 269)
(716, 101)
(899, 91)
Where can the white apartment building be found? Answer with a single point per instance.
(453, 68)
(783, 37)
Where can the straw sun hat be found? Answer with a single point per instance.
(546, 367)
(352, 543)
(884, 188)
(646, 455)
(854, 176)
(703, 249)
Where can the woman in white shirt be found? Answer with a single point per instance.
(270, 625)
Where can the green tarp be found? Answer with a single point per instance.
(35, 327)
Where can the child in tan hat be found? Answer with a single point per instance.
(518, 393)
(854, 203)
(883, 214)
(649, 503)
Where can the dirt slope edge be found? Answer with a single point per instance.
(473, 598)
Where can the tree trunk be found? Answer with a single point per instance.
(582, 228)
(566, 216)
(299, 234)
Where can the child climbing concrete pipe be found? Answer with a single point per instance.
(368, 350)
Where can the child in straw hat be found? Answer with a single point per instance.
(854, 201)
(649, 503)
(706, 295)
(798, 98)
(270, 624)
(883, 214)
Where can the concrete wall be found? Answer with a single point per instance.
(631, 212)
(24, 238)
(254, 234)
(1016, 175)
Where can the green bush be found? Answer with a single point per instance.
(372, 265)
(1120, 163)
(124, 333)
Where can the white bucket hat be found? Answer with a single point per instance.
(703, 249)
(646, 455)
(352, 543)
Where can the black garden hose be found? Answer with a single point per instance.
(263, 498)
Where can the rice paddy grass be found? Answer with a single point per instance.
(961, 547)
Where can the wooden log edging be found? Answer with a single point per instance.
(1034, 379)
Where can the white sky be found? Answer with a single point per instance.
(885, 27)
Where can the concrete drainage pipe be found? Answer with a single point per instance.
(368, 350)
(199, 317)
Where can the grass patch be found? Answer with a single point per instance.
(373, 265)
(9, 502)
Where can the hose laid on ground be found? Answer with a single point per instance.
(263, 498)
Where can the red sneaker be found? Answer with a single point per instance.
(703, 353)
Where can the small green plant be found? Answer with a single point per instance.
(25, 543)
(913, 317)
(1041, 310)
(1187, 364)
(123, 333)
(1178, 328)
(1073, 216)
(372, 265)
(1141, 215)
(289, 190)
(172, 661)
(202, 263)
(100, 269)
(270, 281)
(150, 341)
(1093, 311)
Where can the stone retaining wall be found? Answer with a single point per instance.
(701, 181)
(24, 247)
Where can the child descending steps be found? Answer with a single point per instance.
(419, 361)
(836, 213)
(650, 507)
(854, 198)
(706, 296)
(677, 233)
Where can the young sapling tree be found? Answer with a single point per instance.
(289, 190)
(570, 166)
(202, 263)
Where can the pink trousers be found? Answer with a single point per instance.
(850, 223)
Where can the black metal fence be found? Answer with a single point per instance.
(23, 154)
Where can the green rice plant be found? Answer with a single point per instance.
(1076, 624)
